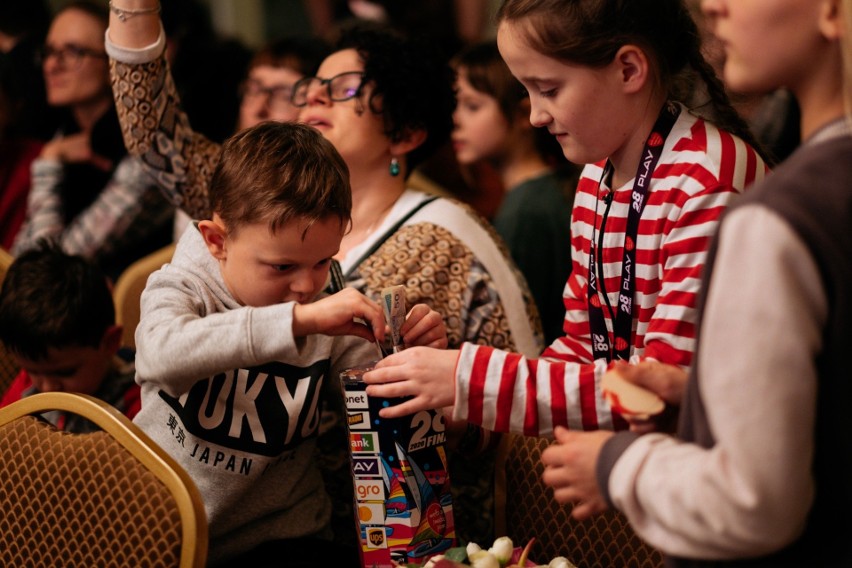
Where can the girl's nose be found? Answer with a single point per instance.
(538, 117)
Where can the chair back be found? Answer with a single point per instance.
(525, 509)
(110, 498)
(8, 364)
(128, 290)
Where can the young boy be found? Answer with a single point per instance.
(235, 356)
(57, 318)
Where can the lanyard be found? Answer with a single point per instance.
(623, 324)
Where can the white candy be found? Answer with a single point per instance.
(502, 549)
(483, 559)
(560, 562)
(472, 548)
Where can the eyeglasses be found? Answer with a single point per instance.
(340, 88)
(278, 97)
(70, 56)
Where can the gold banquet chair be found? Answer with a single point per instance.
(8, 364)
(128, 290)
(110, 498)
(525, 509)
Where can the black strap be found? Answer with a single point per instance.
(623, 318)
(338, 278)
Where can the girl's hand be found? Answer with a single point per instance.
(425, 374)
(336, 315)
(667, 381)
(425, 327)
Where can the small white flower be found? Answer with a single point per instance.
(431, 562)
(502, 549)
(472, 548)
(560, 562)
(483, 559)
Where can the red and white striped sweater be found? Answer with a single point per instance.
(700, 171)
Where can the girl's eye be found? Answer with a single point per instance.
(282, 267)
(549, 93)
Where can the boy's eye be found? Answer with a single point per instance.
(323, 263)
(548, 93)
(282, 267)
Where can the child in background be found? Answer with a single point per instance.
(761, 455)
(238, 347)
(491, 124)
(603, 77)
(57, 318)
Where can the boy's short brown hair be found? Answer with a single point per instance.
(276, 172)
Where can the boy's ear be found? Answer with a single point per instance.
(214, 234)
(111, 341)
(633, 68)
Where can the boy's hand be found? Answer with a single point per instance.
(335, 315)
(427, 375)
(425, 327)
(569, 468)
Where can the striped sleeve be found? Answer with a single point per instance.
(701, 171)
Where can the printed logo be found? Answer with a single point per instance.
(376, 538)
(367, 442)
(620, 344)
(356, 400)
(362, 466)
(595, 301)
(369, 490)
(359, 420)
(371, 513)
(436, 518)
(628, 243)
(655, 140)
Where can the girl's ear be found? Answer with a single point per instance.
(831, 19)
(633, 68)
(215, 235)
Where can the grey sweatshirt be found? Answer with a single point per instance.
(235, 399)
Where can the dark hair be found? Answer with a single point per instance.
(51, 299)
(413, 85)
(486, 72)
(300, 53)
(24, 18)
(277, 172)
(590, 32)
(97, 10)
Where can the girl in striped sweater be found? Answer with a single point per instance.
(609, 79)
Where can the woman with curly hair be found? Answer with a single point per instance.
(385, 101)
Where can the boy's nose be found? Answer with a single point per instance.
(304, 286)
(44, 383)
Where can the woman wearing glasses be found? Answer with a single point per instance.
(86, 192)
(268, 87)
(385, 103)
